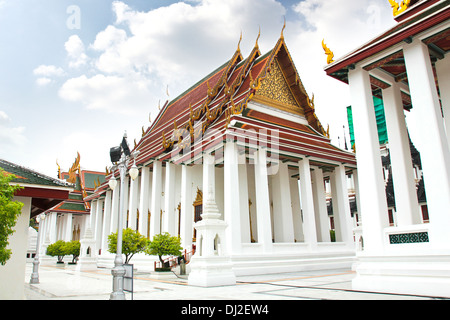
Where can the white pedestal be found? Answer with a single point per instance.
(211, 272)
(211, 266)
(413, 274)
(88, 258)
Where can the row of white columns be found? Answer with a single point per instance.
(433, 145)
(145, 195)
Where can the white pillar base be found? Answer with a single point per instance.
(211, 272)
(86, 264)
(412, 274)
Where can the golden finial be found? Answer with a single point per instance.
(159, 105)
(150, 117)
(107, 170)
(282, 30)
(399, 8)
(259, 34)
(167, 91)
(239, 43)
(59, 169)
(328, 52)
(310, 102)
(143, 131)
(210, 91)
(328, 131)
(73, 169)
(191, 112)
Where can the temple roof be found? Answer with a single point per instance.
(202, 115)
(45, 191)
(85, 183)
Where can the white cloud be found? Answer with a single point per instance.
(45, 74)
(177, 45)
(10, 137)
(110, 93)
(75, 51)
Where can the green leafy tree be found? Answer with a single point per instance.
(73, 248)
(164, 245)
(57, 249)
(132, 242)
(9, 212)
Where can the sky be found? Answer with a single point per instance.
(76, 74)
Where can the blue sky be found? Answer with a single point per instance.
(76, 74)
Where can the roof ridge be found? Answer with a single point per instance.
(57, 181)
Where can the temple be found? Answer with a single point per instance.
(68, 220)
(247, 138)
(408, 68)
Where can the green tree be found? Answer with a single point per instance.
(73, 248)
(57, 249)
(9, 212)
(132, 242)
(164, 245)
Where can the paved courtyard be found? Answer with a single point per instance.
(65, 283)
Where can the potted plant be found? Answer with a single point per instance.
(57, 249)
(73, 248)
(164, 245)
(132, 242)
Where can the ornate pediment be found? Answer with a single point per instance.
(275, 92)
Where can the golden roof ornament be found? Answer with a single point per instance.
(282, 30)
(59, 169)
(73, 169)
(239, 43)
(399, 8)
(328, 52)
(257, 38)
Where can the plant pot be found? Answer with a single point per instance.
(163, 269)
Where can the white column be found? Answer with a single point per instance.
(407, 206)
(372, 190)
(341, 206)
(92, 215)
(186, 229)
(156, 199)
(433, 146)
(243, 200)
(296, 210)
(98, 224)
(133, 203)
(208, 176)
(357, 197)
(232, 198)
(320, 206)
(115, 208)
(262, 200)
(169, 198)
(106, 221)
(443, 74)
(307, 202)
(281, 197)
(68, 227)
(143, 202)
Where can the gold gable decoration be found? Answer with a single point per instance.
(399, 8)
(275, 92)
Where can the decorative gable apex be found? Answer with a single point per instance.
(275, 92)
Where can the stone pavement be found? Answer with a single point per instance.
(65, 283)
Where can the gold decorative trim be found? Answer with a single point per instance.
(328, 52)
(399, 8)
